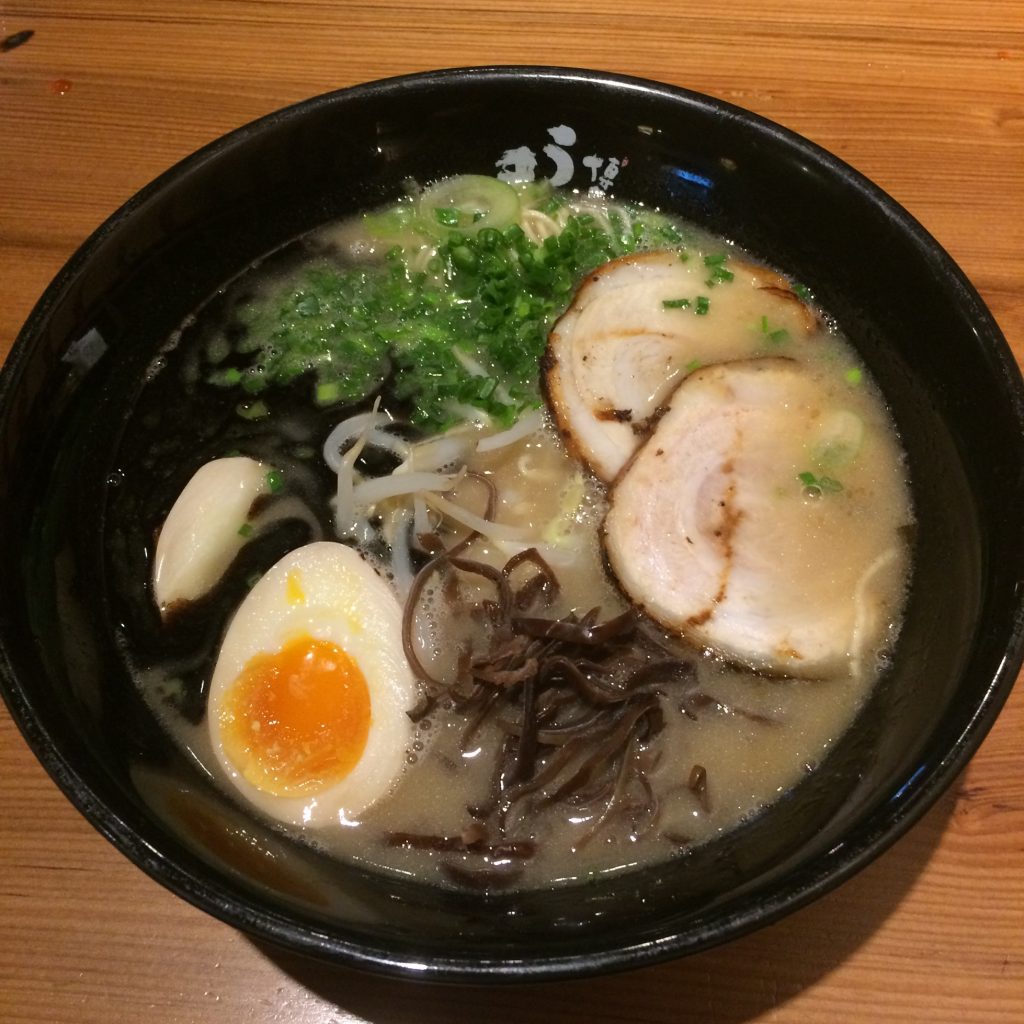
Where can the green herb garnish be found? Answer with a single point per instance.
(490, 293)
(253, 410)
(226, 378)
(675, 303)
(702, 305)
(819, 484)
(328, 393)
(275, 481)
(245, 530)
(447, 217)
(775, 335)
(854, 375)
(719, 272)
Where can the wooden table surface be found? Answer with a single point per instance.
(925, 96)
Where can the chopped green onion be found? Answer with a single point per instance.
(463, 257)
(245, 530)
(253, 411)
(471, 202)
(774, 335)
(275, 481)
(854, 375)
(702, 306)
(254, 381)
(693, 364)
(719, 272)
(393, 223)
(667, 232)
(226, 378)
(489, 239)
(822, 484)
(675, 303)
(328, 392)
(348, 330)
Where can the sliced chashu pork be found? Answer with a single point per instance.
(712, 533)
(618, 352)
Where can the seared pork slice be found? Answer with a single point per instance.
(715, 532)
(638, 325)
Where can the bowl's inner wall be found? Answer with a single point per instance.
(901, 303)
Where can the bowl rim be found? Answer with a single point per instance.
(210, 891)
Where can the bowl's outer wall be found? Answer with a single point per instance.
(936, 352)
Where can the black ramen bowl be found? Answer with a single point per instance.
(78, 366)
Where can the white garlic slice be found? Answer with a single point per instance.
(201, 535)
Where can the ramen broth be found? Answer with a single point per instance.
(713, 742)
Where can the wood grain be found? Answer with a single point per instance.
(926, 98)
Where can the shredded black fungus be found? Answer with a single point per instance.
(579, 699)
(423, 707)
(696, 702)
(441, 558)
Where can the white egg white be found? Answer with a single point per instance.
(326, 591)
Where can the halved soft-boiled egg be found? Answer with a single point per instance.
(309, 698)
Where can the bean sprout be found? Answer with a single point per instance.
(527, 424)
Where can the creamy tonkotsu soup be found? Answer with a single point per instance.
(506, 537)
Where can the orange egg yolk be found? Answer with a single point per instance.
(296, 721)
